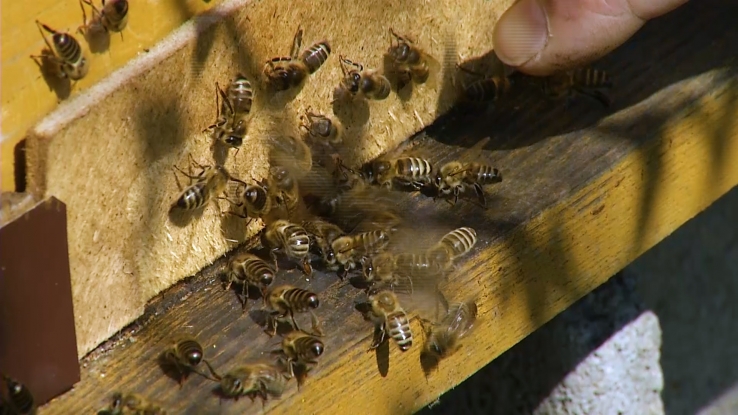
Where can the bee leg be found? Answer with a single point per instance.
(306, 267)
(380, 336)
(316, 325)
(271, 328)
(83, 28)
(244, 296)
(480, 194)
(273, 256)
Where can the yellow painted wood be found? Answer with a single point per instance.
(26, 98)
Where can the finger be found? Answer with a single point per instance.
(539, 37)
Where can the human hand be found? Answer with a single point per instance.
(539, 37)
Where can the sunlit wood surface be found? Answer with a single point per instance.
(585, 191)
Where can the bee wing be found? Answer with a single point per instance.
(434, 71)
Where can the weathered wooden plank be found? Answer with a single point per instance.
(584, 194)
(26, 97)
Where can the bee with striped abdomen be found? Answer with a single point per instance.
(322, 128)
(360, 82)
(442, 339)
(229, 127)
(485, 89)
(284, 301)
(112, 18)
(391, 320)
(283, 73)
(248, 269)
(240, 94)
(301, 350)
(65, 55)
(409, 62)
(284, 189)
(454, 177)
(184, 356)
(323, 234)
(252, 379)
(350, 249)
(452, 245)
(415, 172)
(20, 400)
(254, 201)
(586, 81)
(204, 187)
(291, 239)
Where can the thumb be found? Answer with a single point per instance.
(539, 37)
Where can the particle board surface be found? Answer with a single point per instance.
(109, 154)
(585, 192)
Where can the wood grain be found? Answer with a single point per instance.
(584, 194)
(26, 97)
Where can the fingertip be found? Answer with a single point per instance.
(521, 33)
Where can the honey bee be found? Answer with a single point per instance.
(112, 18)
(350, 249)
(323, 234)
(253, 379)
(292, 239)
(283, 73)
(301, 350)
(326, 129)
(20, 399)
(410, 63)
(391, 320)
(586, 81)
(408, 171)
(66, 54)
(284, 188)
(453, 178)
(289, 151)
(229, 129)
(402, 271)
(241, 96)
(184, 356)
(133, 404)
(485, 89)
(209, 183)
(454, 244)
(356, 81)
(286, 300)
(255, 200)
(248, 269)
(442, 339)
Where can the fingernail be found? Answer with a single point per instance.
(521, 33)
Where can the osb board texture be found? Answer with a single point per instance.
(26, 96)
(586, 191)
(113, 166)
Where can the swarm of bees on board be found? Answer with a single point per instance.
(328, 225)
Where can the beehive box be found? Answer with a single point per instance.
(109, 151)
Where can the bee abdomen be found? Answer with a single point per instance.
(300, 300)
(298, 241)
(591, 78)
(257, 197)
(67, 47)
(315, 56)
(414, 167)
(376, 87)
(487, 174)
(193, 197)
(398, 326)
(255, 267)
(191, 351)
(241, 94)
(19, 396)
(373, 241)
(486, 90)
(459, 241)
(115, 15)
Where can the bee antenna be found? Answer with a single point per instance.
(216, 377)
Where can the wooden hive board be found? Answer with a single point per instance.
(109, 154)
(584, 194)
